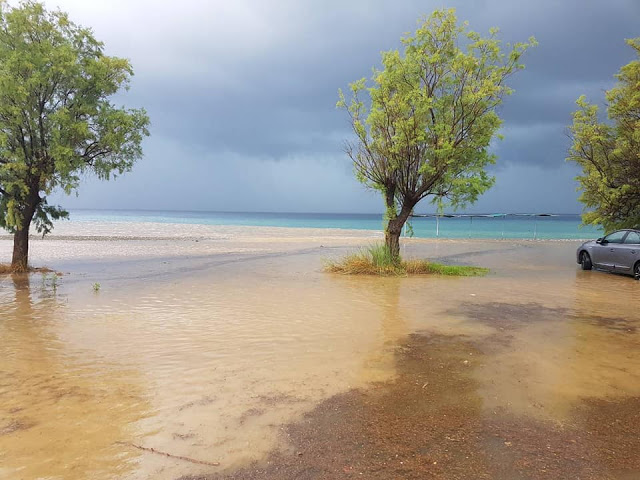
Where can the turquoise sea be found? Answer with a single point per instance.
(554, 227)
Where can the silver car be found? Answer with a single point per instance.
(617, 252)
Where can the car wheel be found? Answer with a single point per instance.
(585, 261)
(636, 271)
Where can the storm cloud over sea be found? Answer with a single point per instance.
(242, 97)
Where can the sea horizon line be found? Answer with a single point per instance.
(148, 210)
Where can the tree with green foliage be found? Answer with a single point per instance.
(431, 114)
(609, 153)
(56, 120)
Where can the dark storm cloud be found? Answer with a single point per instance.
(282, 101)
(257, 80)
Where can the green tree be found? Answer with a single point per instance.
(431, 114)
(56, 120)
(609, 153)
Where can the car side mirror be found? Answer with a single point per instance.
(601, 241)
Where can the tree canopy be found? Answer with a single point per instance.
(56, 118)
(426, 126)
(609, 152)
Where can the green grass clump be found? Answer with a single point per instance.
(424, 267)
(372, 260)
(377, 260)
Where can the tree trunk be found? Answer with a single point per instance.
(20, 260)
(392, 235)
(395, 220)
(394, 228)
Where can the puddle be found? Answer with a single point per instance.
(255, 361)
(431, 422)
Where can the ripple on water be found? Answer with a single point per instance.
(210, 365)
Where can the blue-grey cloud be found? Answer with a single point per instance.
(242, 94)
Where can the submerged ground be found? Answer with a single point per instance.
(230, 345)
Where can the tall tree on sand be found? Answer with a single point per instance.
(56, 119)
(609, 153)
(425, 128)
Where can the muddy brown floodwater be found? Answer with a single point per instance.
(255, 359)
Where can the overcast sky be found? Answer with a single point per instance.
(242, 94)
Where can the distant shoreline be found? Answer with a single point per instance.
(161, 231)
(562, 226)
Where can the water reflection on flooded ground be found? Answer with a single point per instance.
(61, 408)
(261, 362)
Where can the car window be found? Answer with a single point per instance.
(616, 237)
(633, 237)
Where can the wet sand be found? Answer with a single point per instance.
(429, 422)
(230, 345)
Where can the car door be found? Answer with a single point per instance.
(627, 253)
(604, 253)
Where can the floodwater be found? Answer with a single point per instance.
(225, 359)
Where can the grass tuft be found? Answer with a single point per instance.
(418, 267)
(377, 260)
(7, 268)
(373, 260)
